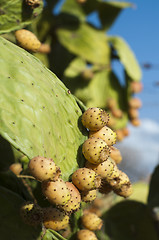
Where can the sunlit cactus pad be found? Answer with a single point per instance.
(38, 114)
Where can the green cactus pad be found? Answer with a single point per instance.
(126, 57)
(15, 14)
(38, 114)
(130, 220)
(11, 224)
(78, 42)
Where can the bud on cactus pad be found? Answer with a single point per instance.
(43, 168)
(86, 234)
(89, 196)
(106, 134)
(95, 150)
(95, 118)
(56, 192)
(55, 219)
(74, 203)
(31, 213)
(86, 179)
(135, 103)
(117, 113)
(16, 168)
(27, 40)
(91, 221)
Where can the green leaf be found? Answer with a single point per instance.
(126, 57)
(11, 224)
(108, 12)
(38, 114)
(86, 42)
(153, 196)
(52, 235)
(15, 14)
(130, 220)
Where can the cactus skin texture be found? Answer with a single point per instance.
(86, 234)
(95, 150)
(106, 134)
(86, 179)
(89, 196)
(35, 104)
(55, 219)
(43, 168)
(27, 40)
(95, 118)
(56, 192)
(31, 213)
(91, 221)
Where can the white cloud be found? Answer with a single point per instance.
(140, 150)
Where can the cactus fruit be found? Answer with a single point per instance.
(95, 150)
(133, 113)
(106, 134)
(56, 192)
(31, 213)
(135, 122)
(126, 131)
(16, 168)
(115, 154)
(86, 179)
(120, 135)
(121, 180)
(43, 168)
(106, 169)
(55, 219)
(135, 103)
(95, 118)
(44, 48)
(117, 113)
(33, 3)
(136, 87)
(27, 40)
(74, 202)
(125, 190)
(91, 221)
(89, 196)
(86, 234)
(111, 103)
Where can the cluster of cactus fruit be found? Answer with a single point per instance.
(100, 174)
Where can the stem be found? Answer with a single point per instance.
(25, 176)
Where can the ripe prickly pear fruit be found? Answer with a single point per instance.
(91, 221)
(115, 154)
(111, 103)
(33, 3)
(105, 187)
(106, 134)
(107, 169)
(86, 234)
(117, 113)
(125, 190)
(135, 103)
(121, 180)
(56, 191)
(27, 40)
(16, 168)
(89, 196)
(74, 202)
(44, 48)
(86, 179)
(136, 87)
(55, 219)
(133, 113)
(135, 122)
(43, 168)
(120, 135)
(31, 213)
(95, 150)
(95, 118)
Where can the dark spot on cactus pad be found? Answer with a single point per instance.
(69, 92)
(43, 107)
(21, 61)
(32, 84)
(22, 100)
(8, 77)
(56, 95)
(13, 122)
(33, 125)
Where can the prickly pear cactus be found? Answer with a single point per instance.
(38, 114)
